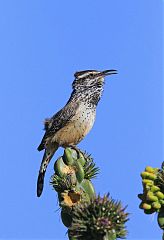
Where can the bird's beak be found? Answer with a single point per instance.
(108, 72)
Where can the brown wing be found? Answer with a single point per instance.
(58, 121)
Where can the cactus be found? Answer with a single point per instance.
(85, 215)
(152, 198)
(98, 219)
(72, 181)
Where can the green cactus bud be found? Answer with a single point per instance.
(152, 176)
(88, 188)
(60, 167)
(156, 205)
(79, 172)
(101, 218)
(161, 219)
(144, 174)
(147, 181)
(69, 155)
(147, 187)
(81, 159)
(159, 194)
(149, 169)
(154, 188)
(145, 206)
(151, 197)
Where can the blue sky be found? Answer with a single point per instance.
(42, 44)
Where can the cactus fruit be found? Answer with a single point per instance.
(148, 175)
(152, 198)
(98, 219)
(145, 206)
(150, 169)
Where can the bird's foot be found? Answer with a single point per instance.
(79, 152)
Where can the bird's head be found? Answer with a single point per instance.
(90, 79)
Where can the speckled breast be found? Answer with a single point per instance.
(77, 128)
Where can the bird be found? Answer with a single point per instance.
(72, 123)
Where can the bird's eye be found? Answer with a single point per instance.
(91, 74)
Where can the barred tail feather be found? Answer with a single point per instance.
(40, 183)
(40, 147)
(48, 154)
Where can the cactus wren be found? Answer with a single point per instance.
(72, 123)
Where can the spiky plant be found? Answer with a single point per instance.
(72, 181)
(101, 218)
(90, 169)
(86, 216)
(152, 198)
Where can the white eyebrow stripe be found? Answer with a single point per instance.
(83, 75)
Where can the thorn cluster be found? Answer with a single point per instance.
(101, 218)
